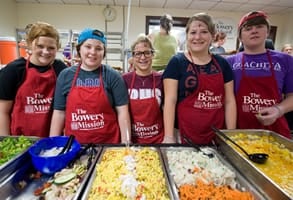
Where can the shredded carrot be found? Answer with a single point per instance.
(202, 191)
(196, 169)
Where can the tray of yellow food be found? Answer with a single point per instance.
(275, 176)
(205, 174)
(129, 173)
(13, 151)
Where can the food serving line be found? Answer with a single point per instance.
(20, 180)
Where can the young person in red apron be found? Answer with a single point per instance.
(91, 100)
(145, 94)
(28, 84)
(33, 101)
(205, 106)
(198, 87)
(262, 79)
(99, 119)
(248, 111)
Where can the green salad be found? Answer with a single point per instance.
(12, 146)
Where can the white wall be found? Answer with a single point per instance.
(77, 17)
(8, 18)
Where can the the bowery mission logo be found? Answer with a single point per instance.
(208, 100)
(254, 103)
(38, 103)
(81, 120)
(142, 131)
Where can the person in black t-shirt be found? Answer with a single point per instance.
(27, 85)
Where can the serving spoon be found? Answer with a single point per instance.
(259, 158)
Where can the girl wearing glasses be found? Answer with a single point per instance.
(198, 87)
(145, 94)
(91, 98)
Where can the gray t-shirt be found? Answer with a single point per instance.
(112, 81)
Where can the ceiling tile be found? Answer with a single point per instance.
(100, 2)
(51, 1)
(202, 5)
(225, 6)
(249, 7)
(151, 3)
(274, 9)
(125, 2)
(26, 1)
(74, 1)
(284, 3)
(174, 4)
(235, 1)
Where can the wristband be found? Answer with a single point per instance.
(279, 110)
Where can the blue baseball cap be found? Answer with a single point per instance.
(89, 33)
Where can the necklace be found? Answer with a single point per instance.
(142, 79)
(200, 61)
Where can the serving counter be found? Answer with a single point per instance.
(22, 181)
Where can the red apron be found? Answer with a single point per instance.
(89, 115)
(32, 112)
(146, 118)
(203, 108)
(255, 93)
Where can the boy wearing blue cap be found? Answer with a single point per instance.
(91, 99)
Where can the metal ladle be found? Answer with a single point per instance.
(259, 158)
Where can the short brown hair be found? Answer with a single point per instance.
(220, 36)
(39, 29)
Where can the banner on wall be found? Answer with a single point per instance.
(229, 26)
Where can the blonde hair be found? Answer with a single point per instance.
(286, 46)
(205, 18)
(142, 38)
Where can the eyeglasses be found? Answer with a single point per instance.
(146, 54)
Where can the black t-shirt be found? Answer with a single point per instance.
(178, 69)
(12, 76)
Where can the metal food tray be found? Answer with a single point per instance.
(17, 161)
(105, 148)
(10, 188)
(244, 165)
(242, 182)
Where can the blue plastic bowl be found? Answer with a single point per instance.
(51, 164)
